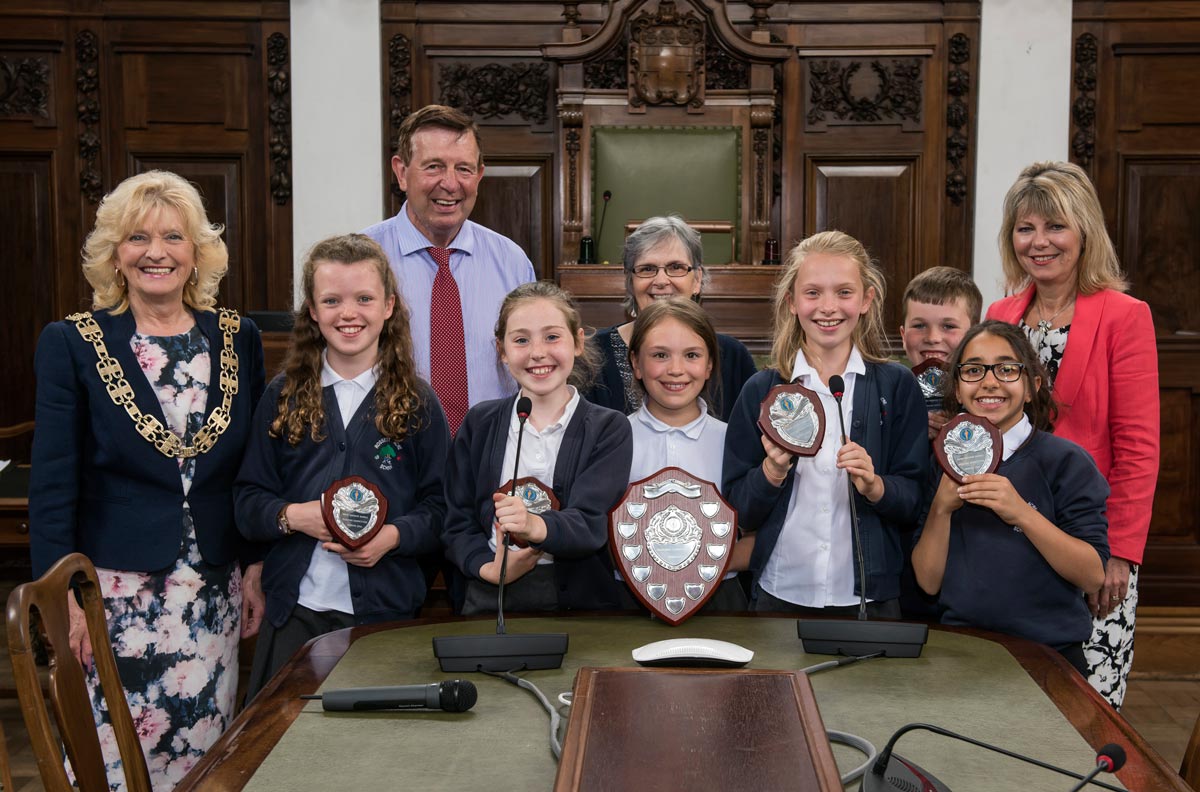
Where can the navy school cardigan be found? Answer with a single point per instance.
(590, 476)
(409, 473)
(889, 421)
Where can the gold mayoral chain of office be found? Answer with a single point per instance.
(149, 427)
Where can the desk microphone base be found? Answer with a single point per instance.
(500, 652)
(858, 638)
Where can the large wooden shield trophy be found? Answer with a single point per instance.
(672, 536)
(354, 510)
(537, 497)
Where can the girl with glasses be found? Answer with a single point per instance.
(1015, 550)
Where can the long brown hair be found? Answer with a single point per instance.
(398, 401)
(868, 334)
(1041, 409)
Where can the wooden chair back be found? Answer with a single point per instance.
(68, 691)
(1190, 769)
(5, 762)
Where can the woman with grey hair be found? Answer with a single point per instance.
(663, 258)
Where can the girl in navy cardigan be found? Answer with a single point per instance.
(1014, 551)
(829, 320)
(348, 403)
(579, 450)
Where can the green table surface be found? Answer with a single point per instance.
(961, 682)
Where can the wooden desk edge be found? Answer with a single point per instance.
(236, 756)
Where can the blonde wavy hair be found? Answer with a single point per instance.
(1061, 192)
(868, 334)
(123, 210)
(398, 401)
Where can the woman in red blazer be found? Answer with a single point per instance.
(1098, 344)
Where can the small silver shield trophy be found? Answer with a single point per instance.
(968, 446)
(536, 496)
(672, 537)
(930, 378)
(792, 416)
(354, 510)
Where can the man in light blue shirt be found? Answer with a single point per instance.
(439, 165)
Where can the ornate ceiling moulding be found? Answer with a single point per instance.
(958, 86)
(666, 59)
(280, 117)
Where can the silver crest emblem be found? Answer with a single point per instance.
(355, 509)
(930, 382)
(673, 538)
(795, 418)
(968, 449)
(536, 501)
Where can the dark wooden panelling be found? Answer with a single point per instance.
(514, 198)
(222, 186)
(875, 202)
(1161, 237)
(27, 239)
(1136, 128)
(191, 88)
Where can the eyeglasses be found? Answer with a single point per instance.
(676, 269)
(1004, 372)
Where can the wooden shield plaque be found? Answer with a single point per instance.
(930, 376)
(968, 446)
(792, 416)
(537, 496)
(672, 536)
(354, 510)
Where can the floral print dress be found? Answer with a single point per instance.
(175, 632)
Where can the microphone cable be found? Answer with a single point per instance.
(555, 718)
(845, 738)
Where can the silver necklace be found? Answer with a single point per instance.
(1043, 325)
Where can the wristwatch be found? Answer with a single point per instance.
(281, 520)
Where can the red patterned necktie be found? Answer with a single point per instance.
(447, 350)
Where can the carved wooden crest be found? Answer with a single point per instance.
(666, 59)
(672, 536)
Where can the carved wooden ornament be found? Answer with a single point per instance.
(666, 59)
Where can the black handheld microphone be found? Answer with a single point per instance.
(456, 695)
(524, 407)
(1109, 759)
(894, 773)
(604, 212)
(837, 386)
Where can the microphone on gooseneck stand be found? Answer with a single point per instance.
(501, 651)
(862, 637)
(894, 773)
(837, 386)
(604, 213)
(457, 695)
(524, 407)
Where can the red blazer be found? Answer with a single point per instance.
(1107, 394)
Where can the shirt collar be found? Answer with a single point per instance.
(812, 380)
(691, 430)
(568, 413)
(366, 380)
(1015, 437)
(412, 240)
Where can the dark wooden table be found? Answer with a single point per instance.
(243, 748)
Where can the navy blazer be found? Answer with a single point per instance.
(98, 487)
(889, 421)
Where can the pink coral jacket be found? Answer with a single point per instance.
(1107, 394)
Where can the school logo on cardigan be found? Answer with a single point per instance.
(385, 453)
(671, 537)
